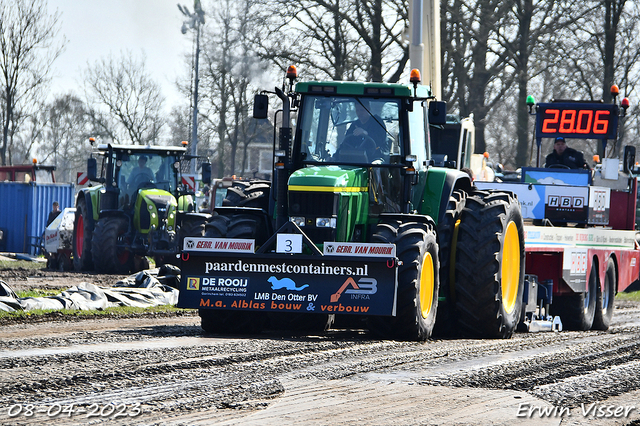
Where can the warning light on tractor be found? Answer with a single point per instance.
(292, 72)
(415, 76)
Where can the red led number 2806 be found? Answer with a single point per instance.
(576, 121)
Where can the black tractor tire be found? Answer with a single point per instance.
(247, 226)
(577, 311)
(216, 227)
(232, 322)
(255, 194)
(109, 258)
(447, 245)
(418, 284)
(604, 300)
(192, 226)
(82, 236)
(489, 269)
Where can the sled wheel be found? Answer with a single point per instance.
(604, 301)
(577, 311)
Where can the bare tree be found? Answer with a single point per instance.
(338, 39)
(314, 38)
(133, 101)
(601, 48)
(480, 72)
(27, 52)
(534, 22)
(229, 65)
(67, 126)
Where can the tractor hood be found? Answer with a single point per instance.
(334, 196)
(330, 179)
(155, 208)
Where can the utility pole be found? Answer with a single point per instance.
(194, 21)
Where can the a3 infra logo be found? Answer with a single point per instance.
(364, 286)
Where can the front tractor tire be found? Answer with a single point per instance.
(418, 283)
(110, 254)
(82, 235)
(489, 268)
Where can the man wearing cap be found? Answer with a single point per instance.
(562, 155)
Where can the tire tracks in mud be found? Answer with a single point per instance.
(180, 376)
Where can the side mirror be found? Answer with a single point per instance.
(260, 106)
(629, 158)
(437, 112)
(206, 173)
(92, 168)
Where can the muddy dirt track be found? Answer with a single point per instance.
(163, 370)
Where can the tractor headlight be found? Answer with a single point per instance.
(326, 222)
(297, 220)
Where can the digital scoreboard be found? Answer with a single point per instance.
(577, 120)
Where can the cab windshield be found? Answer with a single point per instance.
(145, 170)
(350, 130)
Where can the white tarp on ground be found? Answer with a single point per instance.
(148, 288)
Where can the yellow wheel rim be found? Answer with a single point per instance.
(427, 284)
(510, 274)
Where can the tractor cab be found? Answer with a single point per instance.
(142, 170)
(128, 169)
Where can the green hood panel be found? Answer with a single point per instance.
(94, 194)
(429, 199)
(330, 178)
(349, 184)
(153, 208)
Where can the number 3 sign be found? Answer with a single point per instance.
(289, 243)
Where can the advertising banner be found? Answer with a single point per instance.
(284, 283)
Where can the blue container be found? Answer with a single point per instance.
(24, 208)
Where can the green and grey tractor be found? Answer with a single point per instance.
(139, 208)
(358, 225)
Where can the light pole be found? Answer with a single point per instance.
(193, 21)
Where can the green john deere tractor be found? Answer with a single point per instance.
(357, 170)
(139, 208)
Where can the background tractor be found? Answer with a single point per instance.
(138, 209)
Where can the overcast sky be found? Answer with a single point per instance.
(96, 28)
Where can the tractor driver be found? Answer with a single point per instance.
(139, 176)
(142, 173)
(565, 157)
(365, 129)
